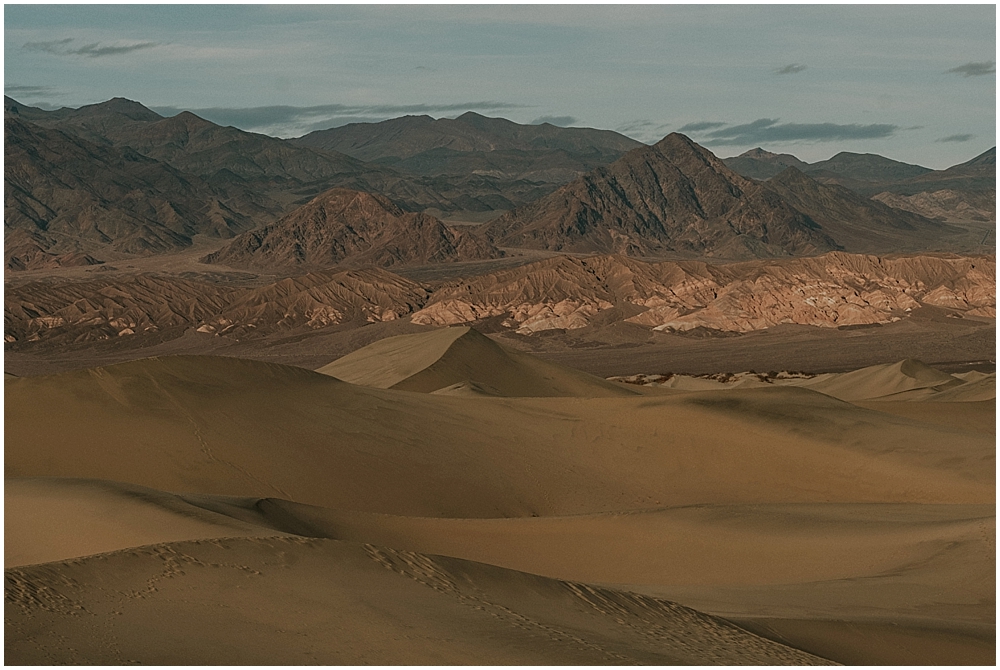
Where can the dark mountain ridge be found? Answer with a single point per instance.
(345, 227)
(473, 143)
(672, 196)
(676, 196)
(66, 195)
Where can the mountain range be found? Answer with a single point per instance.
(676, 196)
(116, 179)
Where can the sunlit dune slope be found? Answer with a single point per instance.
(882, 381)
(435, 360)
(226, 426)
(48, 519)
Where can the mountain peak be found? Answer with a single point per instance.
(347, 227)
(757, 153)
(125, 107)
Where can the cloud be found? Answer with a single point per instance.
(14, 89)
(956, 138)
(95, 50)
(637, 124)
(562, 121)
(53, 47)
(769, 130)
(975, 69)
(699, 126)
(790, 69)
(288, 121)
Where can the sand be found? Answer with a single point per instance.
(214, 510)
(441, 359)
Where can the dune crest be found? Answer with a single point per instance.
(463, 358)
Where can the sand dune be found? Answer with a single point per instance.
(300, 504)
(880, 381)
(299, 601)
(907, 380)
(438, 359)
(47, 519)
(761, 564)
(225, 426)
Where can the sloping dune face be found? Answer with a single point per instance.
(439, 359)
(216, 510)
(226, 426)
(306, 601)
(891, 381)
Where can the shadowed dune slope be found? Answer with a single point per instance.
(227, 426)
(305, 601)
(439, 359)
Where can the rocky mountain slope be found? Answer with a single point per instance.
(152, 308)
(677, 197)
(280, 174)
(946, 205)
(344, 227)
(961, 193)
(857, 223)
(567, 293)
(66, 197)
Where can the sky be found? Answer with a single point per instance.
(916, 83)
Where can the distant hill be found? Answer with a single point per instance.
(962, 193)
(857, 223)
(475, 144)
(865, 167)
(761, 165)
(344, 227)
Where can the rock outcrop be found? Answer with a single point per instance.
(833, 290)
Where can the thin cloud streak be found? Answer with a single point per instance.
(93, 50)
(790, 69)
(698, 126)
(561, 121)
(52, 47)
(14, 90)
(770, 131)
(956, 138)
(974, 69)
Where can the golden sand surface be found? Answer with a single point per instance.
(445, 500)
